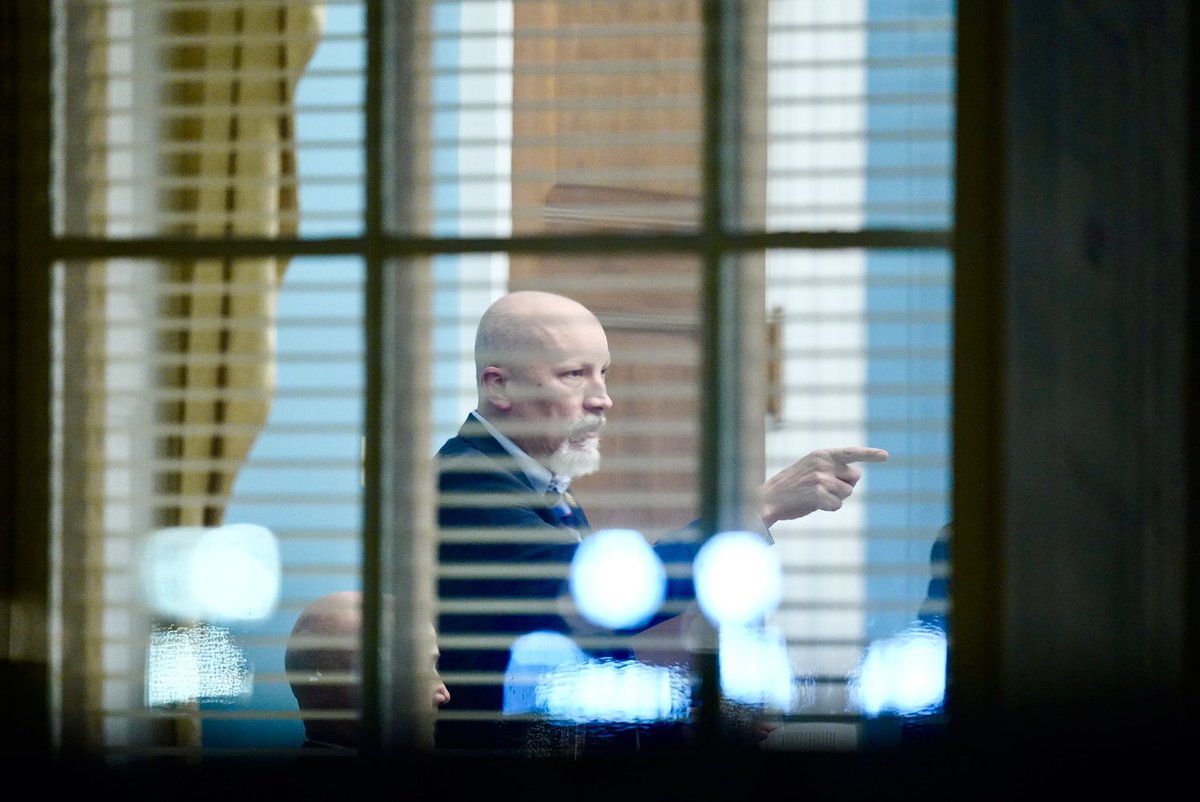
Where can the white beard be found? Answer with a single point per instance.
(573, 460)
(578, 455)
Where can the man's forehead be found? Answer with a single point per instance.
(574, 353)
(574, 340)
(584, 357)
(560, 323)
(560, 358)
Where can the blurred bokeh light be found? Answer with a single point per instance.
(738, 578)
(550, 675)
(755, 669)
(617, 581)
(227, 573)
(903, 675)
(531, 658)
(614, 691)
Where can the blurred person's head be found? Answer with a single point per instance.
(541, 362)
(323, 660)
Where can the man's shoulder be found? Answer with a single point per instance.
(471, 442)
(473, 460)
(481, 484)
(457, 446)
(472, 438)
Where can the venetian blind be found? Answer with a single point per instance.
(285, 220)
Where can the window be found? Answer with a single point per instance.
(278, 223)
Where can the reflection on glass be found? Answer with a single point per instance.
(617, 580)
(532, 658)
(189, 664)
(755, 669)
(904, 674)
(550, 675)
(227, 573)
(738, 578)
(614, 691)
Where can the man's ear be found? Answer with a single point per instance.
(495, 387)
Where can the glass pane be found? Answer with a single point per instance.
(209, 485)
(533, 103)
(198, 395)
(862, 353)
(200, 119)
(849, 115)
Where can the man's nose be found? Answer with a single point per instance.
(441, 694)
(597, 399)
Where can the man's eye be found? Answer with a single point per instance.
(574, 374)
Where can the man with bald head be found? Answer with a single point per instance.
(541, 364)
(323, 659)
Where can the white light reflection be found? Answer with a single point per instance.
(617, 580)
(548, 674)
(755, 669)
(187, 664)
(228, 573)
(905, 674)
(738, 578)
(531, 658)
(614, 691)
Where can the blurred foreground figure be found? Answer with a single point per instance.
(324, 665)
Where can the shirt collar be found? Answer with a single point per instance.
(540, 477)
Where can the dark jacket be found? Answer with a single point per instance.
(489, 513)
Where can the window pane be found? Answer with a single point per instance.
(195, 119)
(209, 485)
(531, 102)
(849, 115)
(861, 341)
(194, 395)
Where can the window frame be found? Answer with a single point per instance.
(388, 72)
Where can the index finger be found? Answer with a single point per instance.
(858, 454)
